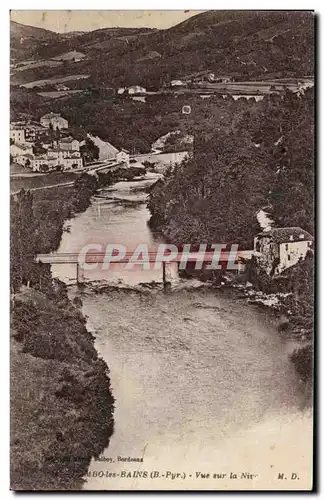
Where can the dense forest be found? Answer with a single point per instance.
(36, 226)
(264, 159)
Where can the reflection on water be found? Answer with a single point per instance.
(202, 382)
(118, 214)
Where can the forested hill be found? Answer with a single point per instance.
(241, 44)
(266, 161)
(26, 41)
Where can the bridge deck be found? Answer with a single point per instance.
(74, 258)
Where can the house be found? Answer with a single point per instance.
(136, 89)
(54, 119)
(223, 79)
(177, 83)
(256, 97)
(24, 159)
(69, 144)
(61, 87)
(17, 134)
(33, 131)
(121, 90)
(139, 98)
(18, 149)
(26, 131)
(57, 158)
(72, 56)
(123, 157)
(281, 247)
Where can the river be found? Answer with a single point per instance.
(202, 380)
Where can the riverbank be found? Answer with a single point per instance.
(289, 298)
(219, 378)
(61, 402)
(291, 294)
(218, 369)
(41, 181)
(293, 321)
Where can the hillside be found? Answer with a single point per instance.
(26, 40)
(242, 44)
(18, 30)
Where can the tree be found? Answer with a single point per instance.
(22, 238)
(51, 133)
(84, 188)
(44, 168)
(38, 148)
(89, 151)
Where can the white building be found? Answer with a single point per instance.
(136, 89)
(56, 158)
(280, 248)
(24, 159)
(73, 55)
(18, 149)
(123, 157)
(69, 144)
(177, 83)
(34, 132)
(17, 134)
(54, 119)
(61, 87)
(256, 97)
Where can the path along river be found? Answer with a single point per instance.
(202, 381)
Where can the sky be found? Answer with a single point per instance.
(63, 21)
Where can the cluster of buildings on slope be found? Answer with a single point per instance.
(201, 77)
(57, 152)
(56, 148)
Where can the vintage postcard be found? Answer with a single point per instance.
(162, 250)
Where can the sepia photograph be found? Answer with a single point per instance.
(162, 250)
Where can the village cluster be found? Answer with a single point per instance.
(44, 146)
(48, 145)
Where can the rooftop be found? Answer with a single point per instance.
(287, 234)
(24, 146)
(67, 140)
(52, 115)
(28, 155)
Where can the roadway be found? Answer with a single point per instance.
(88, 169)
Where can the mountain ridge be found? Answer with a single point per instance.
(244, 44)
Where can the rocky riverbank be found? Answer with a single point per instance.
(290, 297)
(294, 324)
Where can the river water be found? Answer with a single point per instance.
(202, 380)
